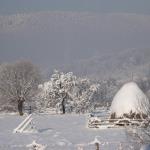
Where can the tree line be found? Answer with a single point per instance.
(21, 83)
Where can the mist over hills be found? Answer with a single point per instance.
(92, 44)
(121, 65)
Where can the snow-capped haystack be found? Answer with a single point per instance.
(130, 102)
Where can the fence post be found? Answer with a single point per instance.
(97, 146)
(96, 142)
(30, 110)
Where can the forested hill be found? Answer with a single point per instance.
(119, 65)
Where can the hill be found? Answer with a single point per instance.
(93, 44)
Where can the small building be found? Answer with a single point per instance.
(130, 102)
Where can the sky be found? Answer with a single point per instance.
(54, 33)
(129, 6)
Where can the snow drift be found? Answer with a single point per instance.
(130, 102)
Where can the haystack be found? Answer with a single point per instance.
(130, 102)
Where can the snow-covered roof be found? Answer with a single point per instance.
(130, 98)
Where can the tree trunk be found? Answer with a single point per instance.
(20, 107)
(63, 106)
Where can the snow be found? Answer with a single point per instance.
(130, 98)
(65, 132)
(36, 146)
(95, 141)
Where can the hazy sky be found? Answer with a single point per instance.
(52, 33)
(133, 6)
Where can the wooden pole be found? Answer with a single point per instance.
(97, 146)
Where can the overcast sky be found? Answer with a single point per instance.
(58, 32)
(130, 6)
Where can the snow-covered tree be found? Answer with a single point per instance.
(18, 83)
(86, 95)
(67, 92)
(57, 91)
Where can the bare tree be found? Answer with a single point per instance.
(18, 82)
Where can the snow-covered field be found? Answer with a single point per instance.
(63, 132)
